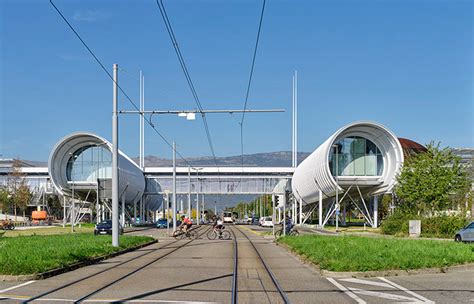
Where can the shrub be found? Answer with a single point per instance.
(397, 223)
(443, 226)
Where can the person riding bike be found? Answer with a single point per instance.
(288, 224)
(218, 225)
(185, 223)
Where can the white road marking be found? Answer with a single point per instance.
(347, 291)
(420, 297)
(384, 295)
(16, 286)
(367, 282)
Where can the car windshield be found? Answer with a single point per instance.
(106, 222)
(268, 219)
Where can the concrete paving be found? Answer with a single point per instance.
(201, 272)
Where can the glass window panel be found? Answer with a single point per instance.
(371, 165)
(358, 146)
(359, 165)
(89, 163)
(371, 148)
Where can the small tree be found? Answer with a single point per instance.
(432, 181)
(5, 202)
(22, 197)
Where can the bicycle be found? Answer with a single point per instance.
(292, 232)
(218, 232)
(180, 234)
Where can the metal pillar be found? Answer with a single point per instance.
(301, 212)
(174, 186)
(135, 211)
(72, 213)
(189, 192)
(203, 207)
(115, 198)
(376, 212)
(273, 214)
(64, 212)
(320, 220)
(284, 214)
(123, 210)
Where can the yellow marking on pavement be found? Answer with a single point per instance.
(248, 229)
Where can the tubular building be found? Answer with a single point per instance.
(353, 166)
(80, 166)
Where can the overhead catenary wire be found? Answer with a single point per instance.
(250, 83)
(174, 41)
(119, 87)
(241, 123)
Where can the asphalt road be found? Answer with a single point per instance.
(201, 272)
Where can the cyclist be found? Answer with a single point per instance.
(218, 225)
(289, 224)
(185, 223)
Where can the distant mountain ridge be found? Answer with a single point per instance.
(269, 159)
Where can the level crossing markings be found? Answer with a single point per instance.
(346, 291)
(406, 290)
(353, 292)
(353, 280)
(16, 286)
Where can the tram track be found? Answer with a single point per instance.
(110, 283)
(265, 266)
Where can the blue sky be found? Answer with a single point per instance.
(405, 64)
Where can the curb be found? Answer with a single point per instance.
(380, 273)
(57, 271)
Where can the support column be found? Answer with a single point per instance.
(123, 210)
(376, 212)
(320, 215)
(64, 212)
(301, 212)
(189, 192)
(135, 211)
(273, 214)
(115, 175)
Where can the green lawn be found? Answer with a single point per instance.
(49, 231)
(355, 253)
(36, 254)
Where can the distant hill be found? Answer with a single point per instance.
(270, 159)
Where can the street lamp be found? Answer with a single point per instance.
(337, 185)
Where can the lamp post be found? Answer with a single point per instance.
(337, 186)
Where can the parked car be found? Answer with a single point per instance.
(161, 223)
(466, 234)
(267, 222)
(105, 227)
(255, 221)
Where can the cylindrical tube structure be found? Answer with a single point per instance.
(83, 158)
(363, 153)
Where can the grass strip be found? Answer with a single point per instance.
(356, 253)
(35, 254)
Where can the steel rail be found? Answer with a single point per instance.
(85, 297)
(270, 273)
(33, 298)
(234, 276)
